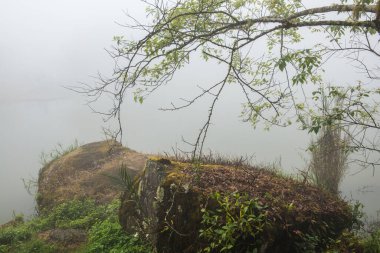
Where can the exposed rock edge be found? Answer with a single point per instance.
(166, 205)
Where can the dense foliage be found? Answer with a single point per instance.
(100, 222)
(237, 223)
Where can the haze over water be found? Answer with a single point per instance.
(46, 45)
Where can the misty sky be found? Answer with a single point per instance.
(48, 44)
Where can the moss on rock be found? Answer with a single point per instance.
(167, 208)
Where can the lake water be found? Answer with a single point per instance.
(31, 127)
(46, 46)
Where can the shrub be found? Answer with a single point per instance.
(73, 214)
(329, 153)
(372, 243)
(4, 248)
(11, 235)
(101, 222)
(108, 236)
(35, 246)
(235, 226)
(20, 239)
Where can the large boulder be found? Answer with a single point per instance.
(166, 204)
(86, 172)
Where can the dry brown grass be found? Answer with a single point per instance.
(81, 173)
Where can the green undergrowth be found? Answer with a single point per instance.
(245, 220)
(100, 222)
(240, 223)
(236, 225)
(371, 242)
(272, 216)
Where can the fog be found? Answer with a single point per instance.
(47, 45)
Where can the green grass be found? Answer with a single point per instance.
(104, 233)
(372, 242)
(100, 221)
(108, 236)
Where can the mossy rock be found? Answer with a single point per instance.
(166, 206)
(82, 174)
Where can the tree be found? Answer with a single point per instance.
(274, 81)
(329, 154)
(329, 159)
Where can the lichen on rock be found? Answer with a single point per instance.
(167, 208)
